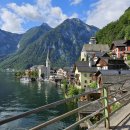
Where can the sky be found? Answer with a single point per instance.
(18, 16)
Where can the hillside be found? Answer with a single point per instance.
(8, 43)
(119, 29)
(33, 35)
(65, 43)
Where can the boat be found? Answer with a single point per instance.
(25, 80)
(46, 80)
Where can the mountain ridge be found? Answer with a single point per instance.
(65, 43)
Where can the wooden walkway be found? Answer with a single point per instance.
(120, 120)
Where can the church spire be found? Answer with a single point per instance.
(48, 65)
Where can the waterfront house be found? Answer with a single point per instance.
(61, 73)
(83, 73)
(120, 49)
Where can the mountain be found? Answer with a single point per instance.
(64, 43)
(8, 43)
(32, 35)
(119, 29)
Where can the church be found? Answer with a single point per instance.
(45, 70)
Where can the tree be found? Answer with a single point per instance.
(73, 91)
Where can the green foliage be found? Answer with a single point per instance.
(119, 29)
(128, 57)
(81, 90)
(93, 85)
(19, 74)
(31, 74)
(65, 83)
(34, 74)
(116, 106)
(74, 91)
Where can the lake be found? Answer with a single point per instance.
(16, 98)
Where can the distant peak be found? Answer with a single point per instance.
(74, 20)
(45, 25)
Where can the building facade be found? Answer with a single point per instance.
(121, 49)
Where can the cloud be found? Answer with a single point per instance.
(41, 11)
(75, 2)
(10, 21)
(74, 15)
(25, 11)
(106, 11)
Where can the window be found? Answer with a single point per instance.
(83, 59)
(90, 81)
(84, 86)
(85, 81)
(90, 75)
(85, 75)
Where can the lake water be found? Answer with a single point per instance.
(16, 98)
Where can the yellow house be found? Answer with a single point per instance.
(83, 73)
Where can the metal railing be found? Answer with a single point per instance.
(105, 109)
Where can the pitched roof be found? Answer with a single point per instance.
(96, 47)
(114, 76)
(87, 69)
(119, 42)
(83, 66)
(82, 63)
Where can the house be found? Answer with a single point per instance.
(83, 72)
(107, 63)
(93, 49)
(120, 49)
(61, 73)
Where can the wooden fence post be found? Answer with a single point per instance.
(106, 104)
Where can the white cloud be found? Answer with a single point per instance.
(75, 2)
(25, 11)
(10, 22)
(41, 11)
(74, 15)
(106, 11)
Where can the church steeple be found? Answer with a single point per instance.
(48, 65)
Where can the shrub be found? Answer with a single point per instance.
(93, 85)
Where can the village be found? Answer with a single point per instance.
(94, 58)
(98, 64)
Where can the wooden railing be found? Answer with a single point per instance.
(105, 109)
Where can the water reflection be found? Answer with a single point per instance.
(16, 98)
